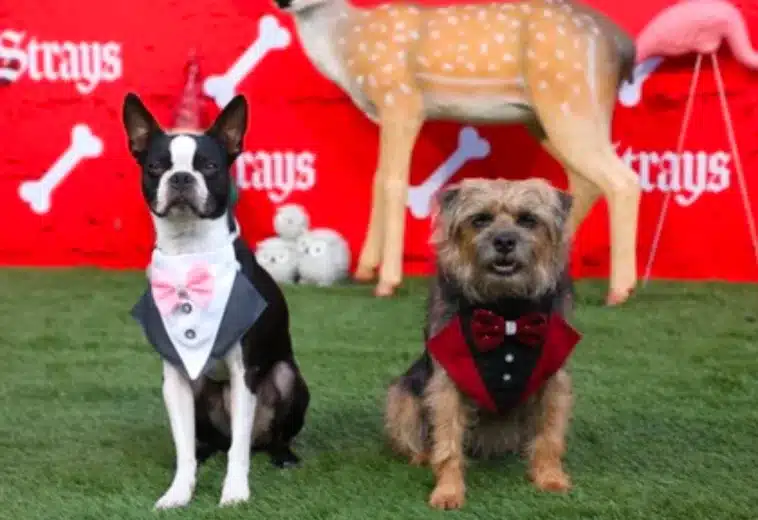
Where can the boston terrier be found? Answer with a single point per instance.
(218, 320)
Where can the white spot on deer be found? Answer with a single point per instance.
(577, 89)
(435, 34)
(547, 13)
(452, 20)
(423, 61)
(371, 80)
(499, 38)
(471, 67)
(483, 16)
(500, 16)
(560, 54)
(389, 98)
(540, 36)
(357, 28)
(492, 67)
(466, 18)
(414, 35)
(460, 59)
(374, 57)
(399, 38)
(400, 26)
(447, 66)
(542, 85)
(483, 48)
(561, 30)
(393, 12)
(515, 23)
(463, 47)
(530, 54)
(359, 80)
(437, 53)
(543, 65)
(387, 68)
(525, 8)
(507, 57)
(578, 66)
(405, 88)
(342, 41)
(560, 76)
(381, 46)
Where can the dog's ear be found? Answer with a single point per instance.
(565, 201)
(140, 125)
(230, 125)
(447, 198)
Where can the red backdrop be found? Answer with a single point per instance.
(62, 65)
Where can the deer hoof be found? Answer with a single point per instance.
(385, 289)
(364, 274)
(617, 297)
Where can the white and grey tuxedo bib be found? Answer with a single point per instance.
(197, 307)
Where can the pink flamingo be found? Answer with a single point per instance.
(695, 26)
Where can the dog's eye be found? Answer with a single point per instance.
(527, 220)
(209, 168)
(155, 168)
(481, 220)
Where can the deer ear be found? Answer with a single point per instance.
(140, 125)
(230, 125)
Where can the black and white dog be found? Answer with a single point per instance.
(218, 320)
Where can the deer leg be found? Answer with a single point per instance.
(601, 166)
(397, 138)
(584, 192)
(371, 252)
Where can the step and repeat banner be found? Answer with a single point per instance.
(70, 193)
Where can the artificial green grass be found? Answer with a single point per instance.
(665, 424)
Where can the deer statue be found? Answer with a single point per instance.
(554, 66)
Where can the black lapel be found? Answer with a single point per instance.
(148, 316)
(244, 307)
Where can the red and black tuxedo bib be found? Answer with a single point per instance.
(500, 355)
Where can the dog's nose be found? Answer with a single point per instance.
(181, 180)
(504, 242)
(283, 4)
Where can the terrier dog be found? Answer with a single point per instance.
(492, 377)
(218, 320)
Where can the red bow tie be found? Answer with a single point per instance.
(489, 329)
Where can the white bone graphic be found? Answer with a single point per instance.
(470, 146)
(631, 93)
(84, 145)
(271, 36)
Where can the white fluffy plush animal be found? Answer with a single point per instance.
(323, 257)
(291, 221)
(279, 258)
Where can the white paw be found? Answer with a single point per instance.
(176, 496)
(236, 490)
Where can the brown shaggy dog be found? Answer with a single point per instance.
(492, 376)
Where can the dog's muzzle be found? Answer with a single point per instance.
(283, 4)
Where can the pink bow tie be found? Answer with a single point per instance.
(167, 294)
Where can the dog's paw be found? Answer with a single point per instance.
(447, 497)
(553, 479)
(236, 491)
(176, 496)
(285, 459)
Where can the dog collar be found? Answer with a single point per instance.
(197, 306)
(500, 361)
